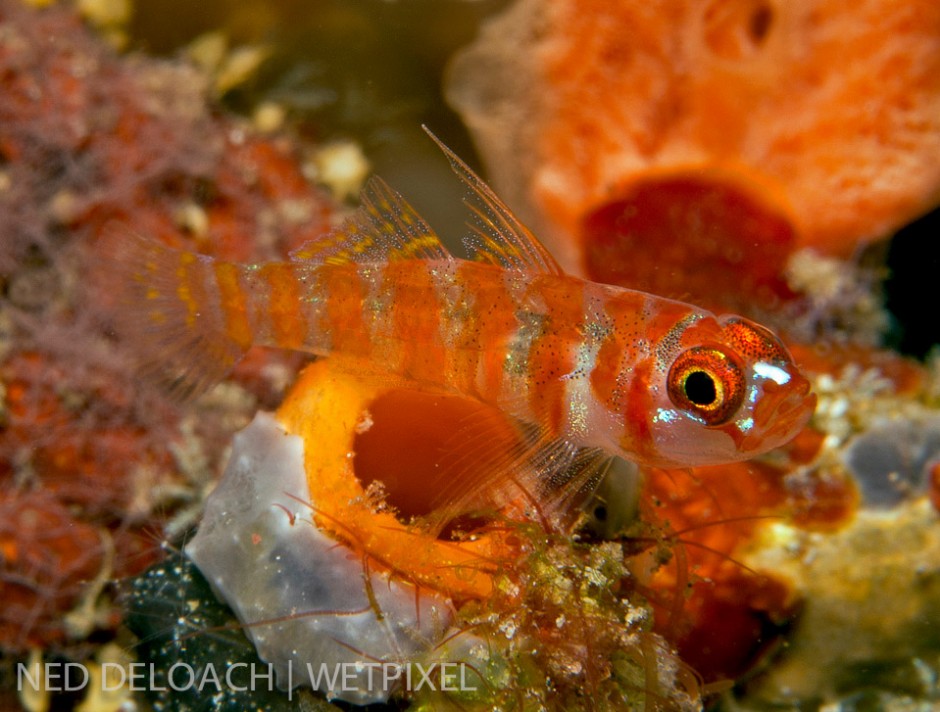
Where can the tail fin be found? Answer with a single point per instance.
(167, 312)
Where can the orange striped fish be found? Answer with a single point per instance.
(588, 370)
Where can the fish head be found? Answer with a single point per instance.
(722, 389)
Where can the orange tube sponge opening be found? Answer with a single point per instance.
(410, 444)
(359, 430)
(692, 235)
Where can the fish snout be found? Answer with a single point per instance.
(784, 409)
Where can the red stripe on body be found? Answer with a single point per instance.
(416, 320)
(344, 292)
(285, 306)
(638, 412)
(233, 303)
(481, 345)
(553, 353)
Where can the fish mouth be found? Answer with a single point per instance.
(781, 413)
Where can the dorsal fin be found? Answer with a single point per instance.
(497, 235)
(384, 228)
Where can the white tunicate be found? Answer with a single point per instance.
(264, 556)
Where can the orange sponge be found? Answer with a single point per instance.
(761, 127)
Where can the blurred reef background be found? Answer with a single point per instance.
(660, 146)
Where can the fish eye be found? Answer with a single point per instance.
(708, 383)
(700, 388)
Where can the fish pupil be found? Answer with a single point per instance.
(700, 388)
